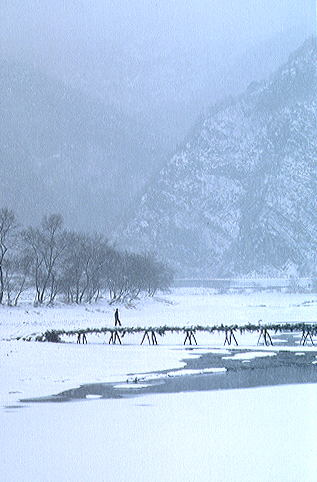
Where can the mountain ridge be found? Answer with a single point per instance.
(62, 151)
(239, 197)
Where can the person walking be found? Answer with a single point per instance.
(117, 321)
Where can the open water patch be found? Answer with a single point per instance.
(213, 370)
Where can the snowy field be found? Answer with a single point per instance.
(258, 434)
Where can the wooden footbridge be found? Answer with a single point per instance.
(150, 334)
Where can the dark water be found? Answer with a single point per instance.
(284, 367)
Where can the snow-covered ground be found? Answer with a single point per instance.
(259, 434)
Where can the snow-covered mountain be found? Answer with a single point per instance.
(240, 196)
(62, 151)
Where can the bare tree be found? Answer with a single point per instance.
(73, 267)
(53, 261)
(113, 273)
(129, 274)
(158, 276)
(97, 249)
(45, 245)
(17, 271)
(84, 267)
(118, 275)
(7, 238)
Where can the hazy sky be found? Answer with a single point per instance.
(158, 61)
(49, 33)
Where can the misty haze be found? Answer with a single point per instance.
(97, 99)
(158, 240)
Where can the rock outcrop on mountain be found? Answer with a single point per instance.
(240, 196)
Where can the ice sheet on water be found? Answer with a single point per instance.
(175, 373)
(249, 355)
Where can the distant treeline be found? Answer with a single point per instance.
(56, 262)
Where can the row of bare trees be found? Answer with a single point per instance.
(78, 267)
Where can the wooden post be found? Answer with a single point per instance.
(151, 340)
(305, 336)
(154, 340)
(190, 336)
(234, 337)
(146, 334)
(84, 338)
(114, 336)
(229, 339)
(266, 336)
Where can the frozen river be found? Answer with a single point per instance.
(159, 413)
(217, 369)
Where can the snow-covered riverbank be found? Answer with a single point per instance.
(229, 435)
